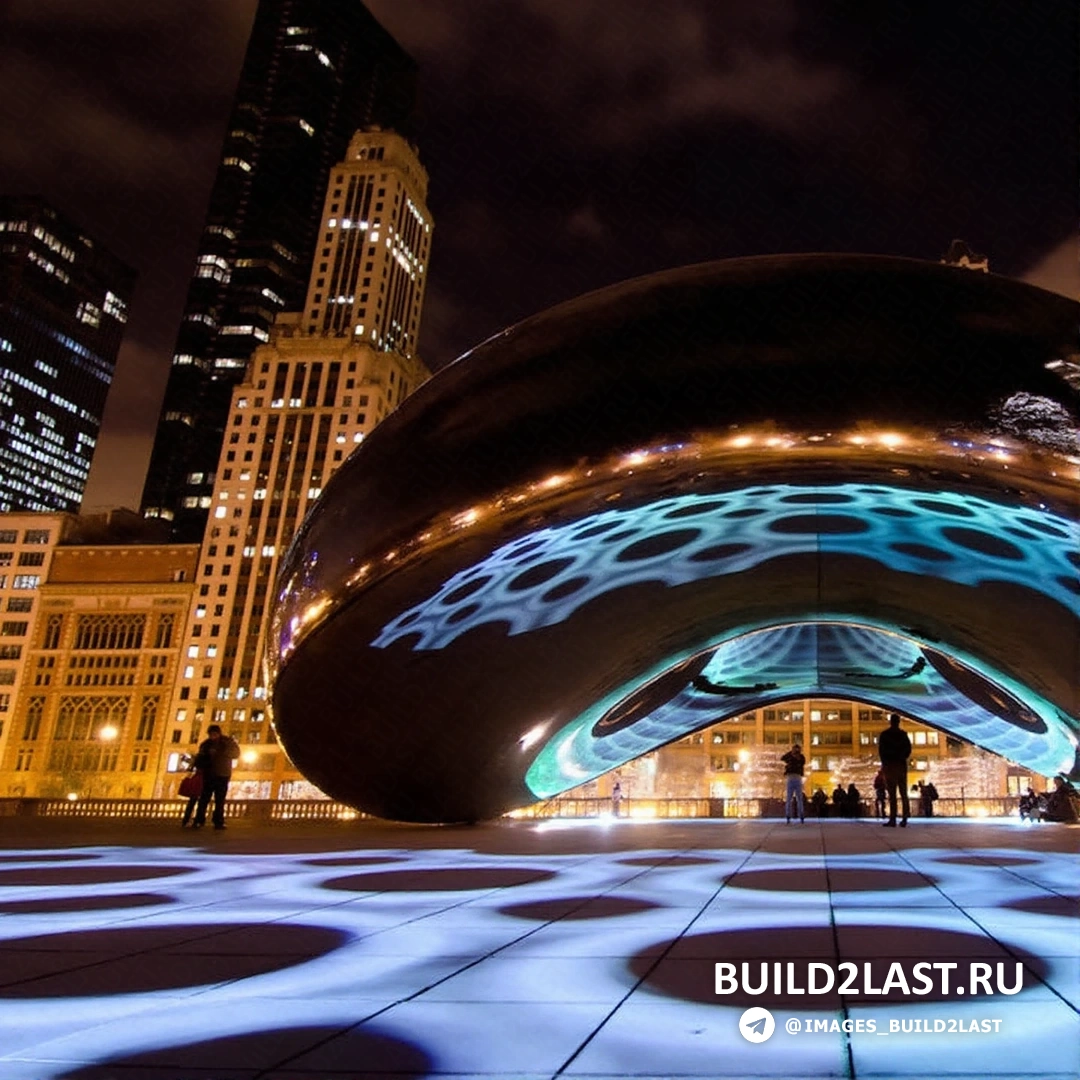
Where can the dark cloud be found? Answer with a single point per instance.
(575, 143)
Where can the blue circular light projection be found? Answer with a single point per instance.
(542, 578)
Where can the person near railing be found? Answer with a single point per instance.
(194, 782)
(221, 751)
(894, 749)
(794, 764)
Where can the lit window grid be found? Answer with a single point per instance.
(357, 234)
(152, 673)
(20, 524)
(233, 498)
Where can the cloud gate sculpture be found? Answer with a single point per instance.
(683, 497)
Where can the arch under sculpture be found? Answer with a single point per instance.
(683, 497)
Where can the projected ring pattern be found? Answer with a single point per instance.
(541, 578)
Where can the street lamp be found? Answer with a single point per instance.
(108, 733)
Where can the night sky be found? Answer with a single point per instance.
(572, 144)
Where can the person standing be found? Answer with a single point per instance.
(794, 764)
(616, 798)
(196, 777)
(894, 749)
(220, 751)
(879, 794)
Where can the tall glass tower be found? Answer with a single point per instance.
(63, 306)
(315, 72)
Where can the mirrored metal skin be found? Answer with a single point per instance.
(783, 476)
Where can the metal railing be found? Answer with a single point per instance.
(313, 810)
(255, 810)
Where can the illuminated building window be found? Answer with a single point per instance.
(115, 307)
(89, 313)
(26, 581)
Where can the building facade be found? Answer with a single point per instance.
(99, 665)
(328, 375)
(741, 758)
(63, 305)
(27, 544)
(315, 71)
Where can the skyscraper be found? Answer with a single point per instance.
(327, 376)
(63, 305)
(315, 71)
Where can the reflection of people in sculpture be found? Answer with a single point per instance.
(1062, 802)
(927, 795)
(894, 749)
(1029, 805)
(699, 682)
(885, 680)
(879, 794)
(616, 798)
(794, 763)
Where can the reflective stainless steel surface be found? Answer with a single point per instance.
(839, 475)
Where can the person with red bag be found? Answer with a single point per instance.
(192, 784)
(220, 751)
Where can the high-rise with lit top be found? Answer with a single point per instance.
(328, 375)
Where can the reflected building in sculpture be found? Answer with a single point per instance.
(685, 498)
(328, 376)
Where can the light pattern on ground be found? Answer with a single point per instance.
(602, 964)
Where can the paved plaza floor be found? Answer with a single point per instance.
(133, 950)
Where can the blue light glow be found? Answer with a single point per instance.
(811, 659)
(541, 579)
(519, 980)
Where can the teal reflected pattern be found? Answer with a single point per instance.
(765, 666)
(542, 578)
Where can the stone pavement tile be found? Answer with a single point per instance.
(174, 976)
(1041, 935)
(1037, 1038)
(653, 1036)
(717, 940)
(584, 939)
(1062, 974)
(37, 1070)
(30, 1023)
(17, 966)
(240, 1035)
(537, 979)
(498, 1038)
(421, 939)
(872, 933)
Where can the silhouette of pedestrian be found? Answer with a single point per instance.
(794, 764)
(894, 749)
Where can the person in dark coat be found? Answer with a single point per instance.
(894, 749)
(794, 764)
(220, 751)
(854, 800)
